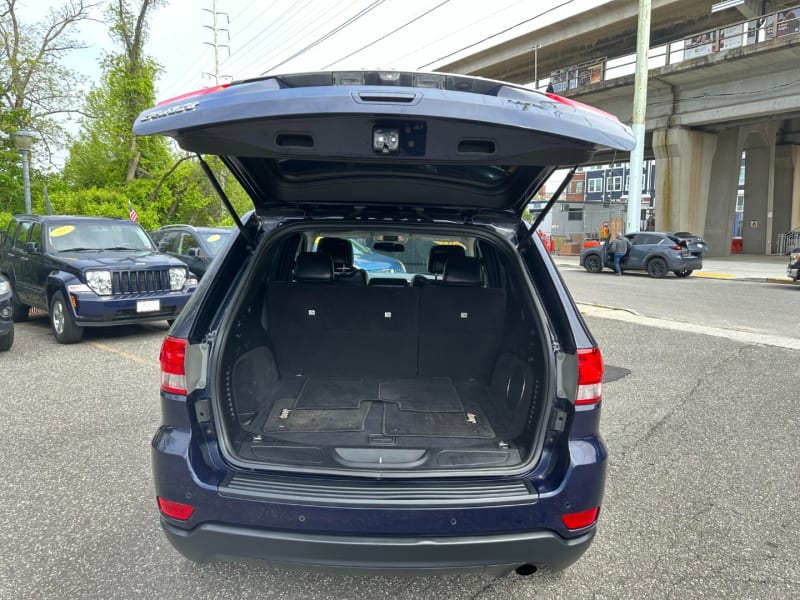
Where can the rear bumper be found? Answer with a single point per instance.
(690, 262)
(495, 554)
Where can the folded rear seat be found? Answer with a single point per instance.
(335, 330)
(461, 323)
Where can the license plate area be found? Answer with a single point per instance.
(145, 306)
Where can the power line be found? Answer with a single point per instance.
(494, 35)
(452, 33)
(275, 44)
(331, 33)
(253, 44)
(380, 39)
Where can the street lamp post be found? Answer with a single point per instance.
(23, 140)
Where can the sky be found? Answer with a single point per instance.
(254, 37)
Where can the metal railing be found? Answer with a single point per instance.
(705, 43)
(788, 241)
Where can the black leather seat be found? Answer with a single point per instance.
(465, 271)
(341, 252)
(437, 258)
(312, 267)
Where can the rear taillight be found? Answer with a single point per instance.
(173, 369)
(195, 93)
(579, 520)
(676, 247)
(580, 105)
(590, 376)
(175, 510)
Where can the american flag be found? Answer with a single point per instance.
(132, 214)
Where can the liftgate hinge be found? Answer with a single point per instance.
(558, 420)
(202, 410)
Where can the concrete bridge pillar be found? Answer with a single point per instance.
(697, 181)
(684, 160)
(723, 189)
(758, 219)
(787, 180)
(787, 191)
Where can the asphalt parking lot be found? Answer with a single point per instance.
(700, 498)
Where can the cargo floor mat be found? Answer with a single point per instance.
(336, 392)
(464, 424)
(422, 394)
(284, 417)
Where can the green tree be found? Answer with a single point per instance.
(106, 152)
(35, 89)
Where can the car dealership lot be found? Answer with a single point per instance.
(699, 501)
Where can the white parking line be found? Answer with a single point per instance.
(737, 335)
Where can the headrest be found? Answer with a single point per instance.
(340, 250)
(439, 255)
(463, 270)
(313, 266)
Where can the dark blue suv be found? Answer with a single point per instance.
(90, 272)
(318, 415)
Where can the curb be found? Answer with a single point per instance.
(712, 275)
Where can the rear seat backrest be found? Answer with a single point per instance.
(348, 331)
(452, 330)
(461, 323)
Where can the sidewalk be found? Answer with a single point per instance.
(743, 267)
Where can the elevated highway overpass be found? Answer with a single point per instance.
(704, 107)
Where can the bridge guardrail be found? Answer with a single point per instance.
(705, 43)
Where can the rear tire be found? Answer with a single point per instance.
(657, 268)
(593, 264)
(7, 340)
(683, 272)
(61, 321)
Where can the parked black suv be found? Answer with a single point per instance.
(90, 271)
(196, 246)
(443, 418)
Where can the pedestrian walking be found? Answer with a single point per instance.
(619, 247)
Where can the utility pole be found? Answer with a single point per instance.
(536, 65)
(634, 217)
(216, 45)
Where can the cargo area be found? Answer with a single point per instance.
(437, 370)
